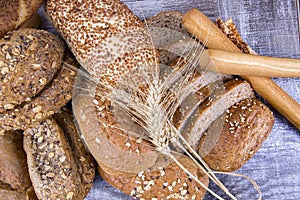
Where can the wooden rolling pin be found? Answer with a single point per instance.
(236, 63)
(204, 29)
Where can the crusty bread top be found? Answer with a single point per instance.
(167, 182)
(168, 19)
(105, 36)
(15, 12)
(232, 33)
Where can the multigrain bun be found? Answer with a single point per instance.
(246, 125)
(15, 182)
(167, 182)
(50, 100)
(59, 167)
(29, 59)
(15, 12)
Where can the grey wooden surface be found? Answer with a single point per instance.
(270, 27)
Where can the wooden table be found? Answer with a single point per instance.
(270, 27)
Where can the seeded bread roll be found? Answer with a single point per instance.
(168, 182)
(55, 170)
(15, 12)
(14, 178)
(29, 59)
(245, 126)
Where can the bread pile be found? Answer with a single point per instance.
(42, 156)
(218, 115)
(130, 162)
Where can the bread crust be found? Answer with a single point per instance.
(50, 100)
(14, 13)
(55, 170)
(167, 182)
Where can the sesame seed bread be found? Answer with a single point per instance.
(220, 100)
(15, 12)
(54, 96)
(106, 37)
(29, 59)
(56, 171)
(246, 125)
(167, 182)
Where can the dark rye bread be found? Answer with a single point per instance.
(245, 126)
(234, 91)
(29, 59)
(16, 12)
(15, 182)
(58, 167)
(167, 182)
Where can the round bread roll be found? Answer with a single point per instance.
(14, 13)
(29, 59)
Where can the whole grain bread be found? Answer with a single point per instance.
(245, 126)
(16, 12)
(29, 59)
(166, 182)
(103, 131)
(233, 91)
(54, 168)
(50, 100)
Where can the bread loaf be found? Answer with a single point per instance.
(15, 12)
(246, 125)
(58, 166)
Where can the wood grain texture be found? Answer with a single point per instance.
(270, 27)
